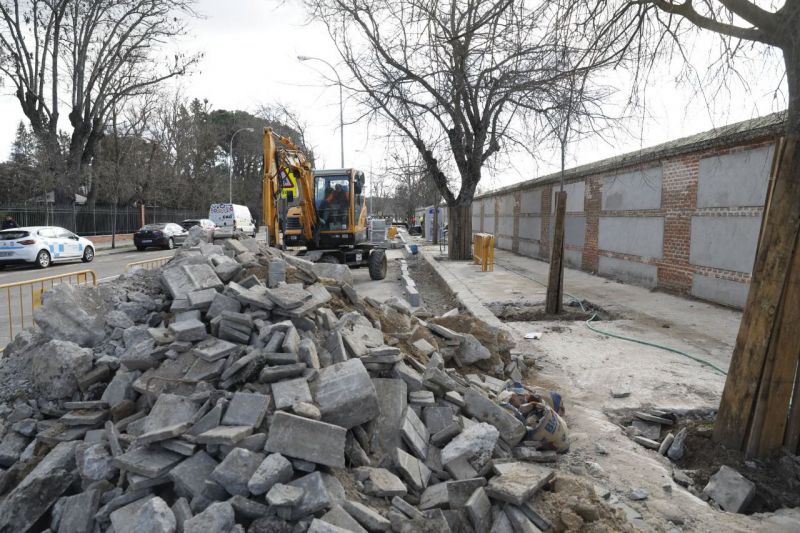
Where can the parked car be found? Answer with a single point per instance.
(42, 246)
(234, 217)
(165, 235)
(202, 222)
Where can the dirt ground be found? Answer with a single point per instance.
(585, 366)
(435, 295)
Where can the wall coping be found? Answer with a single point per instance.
(761, 128)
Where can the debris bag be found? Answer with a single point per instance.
(550, 397)
(550, 430)
(518, 395)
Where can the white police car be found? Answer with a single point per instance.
(43, 245)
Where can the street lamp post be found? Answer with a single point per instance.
(341, 101)
(230, 163)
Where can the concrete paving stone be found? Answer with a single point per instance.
(120, 388)
(123, 520)
(307, 410)
(446, 434)
(653, 418)
(423, 398)
(271, 374)
(188, 330)
(648, 430)
(412, 378)
(321, 526)
(236, 469)
(164, 433)
(345, 394)
(459, 491)
(228, 332)
(170, 409)
(137, 482)
(406, 508)
(229, 435)
(519, 482)
(188, 314)
(666, 443)
(222, 302)
(201, 300)
(246, 409)
(412, 470)
(647, 443)
(338, 517)
(288, 296)
(275, 340)
(281, 495)
(289, 392)
(512, 431)
(319, 296)
(218, 516)
(306, 439)
(256, 297)
(147, 461)
(291, 341)
(183, 447)
(415, 434)
(367, 516)
(437, 417)
(203, 370)
(479, 510)
(281, 358)
(213, 491)
(384, 429)
(335, 346)
(213, 349)
(435, 496)
(501, 523)
(254, 442)
(226, 271)
(307, 353)
(730, 490)
(77, 512)
(275, 468)
(475, 444)
(423, 347)
(239, 364)
(155, 516)
(316, 497)
(677, 449)
(182, 513)
(438, 380)
(383, 484)
(248, 509)
(460, 468)
(84, 418)
(519, 521)
(208, 421)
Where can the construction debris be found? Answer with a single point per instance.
(238, 388)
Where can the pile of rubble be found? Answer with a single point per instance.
(241, 389)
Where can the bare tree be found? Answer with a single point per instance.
(762, 383)
(102, 51)
(455, 76)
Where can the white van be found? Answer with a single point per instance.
(233, 216)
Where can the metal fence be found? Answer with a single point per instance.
(98, 220)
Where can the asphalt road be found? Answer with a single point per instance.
(107, 265)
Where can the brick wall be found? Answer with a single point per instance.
(649, 207)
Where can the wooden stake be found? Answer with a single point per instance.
(555, 282)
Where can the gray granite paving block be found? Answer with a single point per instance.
(201, 300)
(236, 469)
(212, 349)
(281, 495)
(289, 392)
(188, 330)
(123, 520)
(316, 497)
(147, 461)
(222, 302)
(731, 490)
(271, 374)
(479, 509)
(275, 468)
(345, 394)
(246, 409)
(224, 435)
(170, 409)
(281, 358)
(367, 516)
(77, 512)
(415, 434)
(306, 439)
(512, 431)
(338, 517)
(518, 482)
(412, 470)
(384, 430)
(40, 489)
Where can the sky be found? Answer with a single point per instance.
(250, 59)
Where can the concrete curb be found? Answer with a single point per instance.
(462, 293)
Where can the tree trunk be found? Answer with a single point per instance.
(555, 281)
(459, 232)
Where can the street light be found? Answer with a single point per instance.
(341, 102)
(230, 163)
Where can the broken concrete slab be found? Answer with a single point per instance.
(518, 482)
(302, 438)
(475, 444)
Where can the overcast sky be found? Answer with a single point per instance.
(251, 49)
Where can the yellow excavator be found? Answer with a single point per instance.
(330, 220)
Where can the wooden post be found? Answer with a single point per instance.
(555, 281)
(766, 341)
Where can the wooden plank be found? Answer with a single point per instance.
(555, 281)
(771, 414)
(763, 302)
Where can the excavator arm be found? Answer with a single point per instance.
(283, 158)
